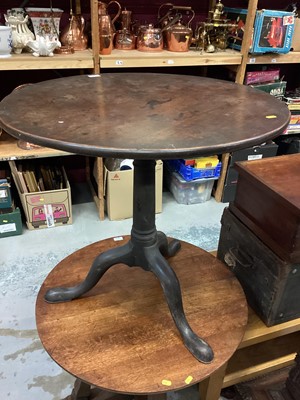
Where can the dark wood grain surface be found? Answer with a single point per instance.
(142, 115)
(120, 336)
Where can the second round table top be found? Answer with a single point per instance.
(120, 336)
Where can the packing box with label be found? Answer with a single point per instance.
(10, 223)
(44, 208)
(118, 186)
(273, 30)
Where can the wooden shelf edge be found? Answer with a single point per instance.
(274, 58)
(78, 60)
(252, 372)
(135, 58)
(261, 358)
(258, 332)
(9, 150)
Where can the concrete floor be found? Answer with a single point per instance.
(26, 370)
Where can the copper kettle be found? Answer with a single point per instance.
(179, 37)
(74, 36)
(106, 26)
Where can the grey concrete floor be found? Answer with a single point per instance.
(26, 370)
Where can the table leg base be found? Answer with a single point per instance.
(148, 252)
(84, 391)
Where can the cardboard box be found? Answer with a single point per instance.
(296, 36)
(256, 77)
(10, 223)
(276, 89)
(273, 30)
(118, 192)
(45, 209)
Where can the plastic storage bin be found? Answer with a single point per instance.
(189, 173)
(191, 192)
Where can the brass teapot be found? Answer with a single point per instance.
(106, 26)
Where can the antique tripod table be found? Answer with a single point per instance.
(143, 116)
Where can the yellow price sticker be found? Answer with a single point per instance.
(271, 116)
(166, 382)
(188, 379)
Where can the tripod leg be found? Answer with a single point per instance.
(171, 287)
(167, 249)
(100, 265)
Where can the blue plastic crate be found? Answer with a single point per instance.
(190, 173)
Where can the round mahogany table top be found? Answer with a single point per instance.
(142, 115)
(121, 337)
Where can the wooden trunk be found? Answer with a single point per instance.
(268, 201)
(271, 285)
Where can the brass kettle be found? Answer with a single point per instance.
(106, 26)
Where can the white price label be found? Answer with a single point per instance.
(252, 60)
(255, 157)
(274, 60)
(119, 62)
(3, 193)
(49, 215)
(8, 228)
(170, 62)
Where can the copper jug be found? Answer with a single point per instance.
(106, 26)
(125, 39)
(74, 35)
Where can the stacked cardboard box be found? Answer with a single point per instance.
(45, 204)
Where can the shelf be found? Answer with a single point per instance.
(135, 58)
(258, 332)
(9, 150)
(274, 58)
(26, 61)
(261, 358)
